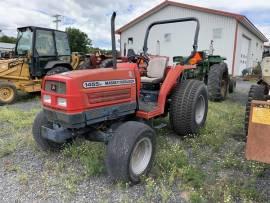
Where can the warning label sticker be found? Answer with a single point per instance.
(261, 115)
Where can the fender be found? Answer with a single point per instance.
(51, 64)
(165, 90)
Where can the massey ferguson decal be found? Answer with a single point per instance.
(107, 83)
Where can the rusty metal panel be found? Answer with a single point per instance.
(258, 141)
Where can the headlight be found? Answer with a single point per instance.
(47, 99)
(62, 102)
(55, 86)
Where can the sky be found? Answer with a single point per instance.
(93, 16)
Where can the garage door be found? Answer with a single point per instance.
(244, 54)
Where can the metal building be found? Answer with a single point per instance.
(233, 35)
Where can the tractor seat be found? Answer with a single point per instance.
(155, 70)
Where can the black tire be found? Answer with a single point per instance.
(218, 81)
(43, 143)
(185, 118)
(120, 149)
(256, 92)
(107, 63)
(8, 93)
(232, 85)
(57, 69)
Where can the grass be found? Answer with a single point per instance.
(209, 167)
(90, 155)
(15, 129)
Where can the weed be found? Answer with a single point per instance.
(193, 176)
(196, 197)
(150, 188)
(90, 154)
(169, 157)
(165, 193)
(7, 147)
(232, 161)
(23, 178)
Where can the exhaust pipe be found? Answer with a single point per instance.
(113, 39)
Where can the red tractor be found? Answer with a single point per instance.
(115, 104)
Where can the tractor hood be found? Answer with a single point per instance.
(88, 89)
(123, 71)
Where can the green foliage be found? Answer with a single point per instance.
(90, 154)
(8, 39)
(94, 50)
(11, 122)
(257, 70)
(78, 40)
(193, 176)
(196, 197)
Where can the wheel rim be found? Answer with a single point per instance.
(141, 156)
(200, 109)
(6, 94)
(223, 88)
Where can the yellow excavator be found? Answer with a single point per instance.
(38, 52)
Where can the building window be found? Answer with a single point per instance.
(217, 33)
(130, 40)
(167, 37)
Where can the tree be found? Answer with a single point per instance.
(78, 40)
(8, 39)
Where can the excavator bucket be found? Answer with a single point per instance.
(258, 140)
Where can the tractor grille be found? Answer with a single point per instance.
(108, 96)
(55, 86)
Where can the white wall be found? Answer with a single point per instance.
(182, 33)
(255, 50)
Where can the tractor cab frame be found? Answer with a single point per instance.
(44, 47)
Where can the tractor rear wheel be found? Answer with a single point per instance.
(189, 106)
(57, 69)
(256, 92)
(43, 143)
(8, 93)
(218, 81)
(130, 152)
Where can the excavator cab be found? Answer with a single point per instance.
(43, 47)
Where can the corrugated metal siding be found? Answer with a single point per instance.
(255, 52)
(182, 33)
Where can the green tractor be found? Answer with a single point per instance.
(213, 70)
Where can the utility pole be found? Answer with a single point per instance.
(57, 20)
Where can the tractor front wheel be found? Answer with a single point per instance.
(189, 106)
(256, 92)
(43, 143)
(130, 152)
(218, 81)
(8, 93)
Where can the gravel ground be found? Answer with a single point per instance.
(25, 174)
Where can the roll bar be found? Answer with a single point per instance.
(178, 20)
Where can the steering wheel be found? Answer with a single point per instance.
(139, 59)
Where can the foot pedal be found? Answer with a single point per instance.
(162, 125)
